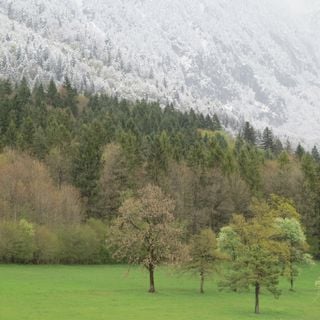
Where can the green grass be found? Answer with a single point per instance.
(109, 292)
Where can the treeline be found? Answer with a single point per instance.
(79, 157)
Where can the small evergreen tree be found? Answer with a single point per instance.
(315, 154)
(249, 134)
(300, 151)
(267, 140)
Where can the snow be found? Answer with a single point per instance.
(245, 59)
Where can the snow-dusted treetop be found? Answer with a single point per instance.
(258, 60)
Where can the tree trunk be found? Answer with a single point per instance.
(151, 276)
(291, 276)
(257, 293)
(201, 282)
(291, 283)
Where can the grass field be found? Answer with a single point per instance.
(109, 292)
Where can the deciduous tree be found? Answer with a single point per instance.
(145, 231)
(204, 255)
(257, 254)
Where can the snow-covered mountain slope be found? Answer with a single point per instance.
(249, 59)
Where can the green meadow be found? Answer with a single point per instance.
(119, 293)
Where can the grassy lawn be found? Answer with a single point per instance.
(109, 292)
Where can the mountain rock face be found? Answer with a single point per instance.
(244, 59)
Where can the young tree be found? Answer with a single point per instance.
(291, 232)
(145, 231)
(257, 254)
(204, 255)
(228, 240)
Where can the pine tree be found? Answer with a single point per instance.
(267, 140)
(87, 165)
(52, 94)
(40, 144)
(21, 100)
(11, 134)
(315, 154)
(70, 98)
(5, 88)
(216, 123)
(300, 151)
(39, 95)
(27, 133)
(249, 134)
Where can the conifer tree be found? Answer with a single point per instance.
(70, 98)
(249, 134)
(52, 94)
(87, 164)
(216, 123)
(27, 133)
(267, 140)
(300, 151)
(39, 95)
(315, 154)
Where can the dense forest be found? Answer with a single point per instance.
(69, 161)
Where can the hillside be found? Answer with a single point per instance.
(250, 60)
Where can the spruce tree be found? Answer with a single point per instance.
(87, 164)
(216, 123)
(300, 151)
(249, 134)
(267, 140)
(52, 94)
(70, 97)
(315, 154)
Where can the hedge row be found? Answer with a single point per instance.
(25, 243)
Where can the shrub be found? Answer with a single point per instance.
(46, 246)
(16, 242)
(79, 245)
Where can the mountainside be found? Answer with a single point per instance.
(253, 60)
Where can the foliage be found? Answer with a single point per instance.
(228, 242)
(16, 242)
(28, 192)
(291, 232)
(23, 242)
(145, 231)
(204, 255)
(257, 254)
(76, 157)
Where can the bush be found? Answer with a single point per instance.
(79, 245)
(16, 242)
(100, 229)
(24, 242)
(47, 246)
